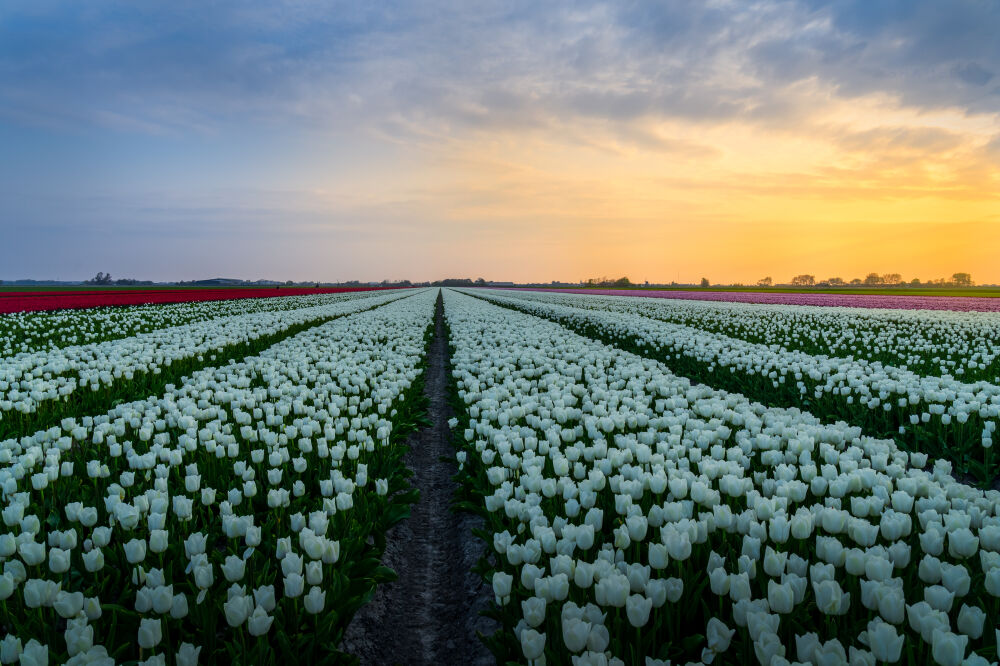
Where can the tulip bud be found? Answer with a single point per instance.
(502, 583)
(637, 608)
(970, 621)
(658, 557)
(259, 622)
(781, 598)
(532, 644)
(884, 642)
(179, 606)
(314, 573)
(150, 633)
(10, 649)
(315, 600)
(264, 597)
(188, 655)
(533, 610)
(135, 551)
(238, 609)
(35, 654)
(58, 560)
(233, 568)
(948, 649)
(719, 637)
(294, 585)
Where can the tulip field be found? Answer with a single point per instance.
(62, 299)
(236, 515)
(659, 481)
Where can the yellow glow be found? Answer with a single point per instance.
(841, 188)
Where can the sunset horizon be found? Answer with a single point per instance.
(664, 142)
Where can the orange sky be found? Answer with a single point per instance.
(847, 188)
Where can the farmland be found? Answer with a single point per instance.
(61, 298)
(638, 481)
(973, 299)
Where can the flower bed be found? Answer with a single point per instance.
(636, 518)
(20, 301)
(901, 302)
(938, 415)
(239, 517)
(39, 388)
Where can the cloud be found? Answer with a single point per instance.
(189, 66)
(185, 117)
(902, 140)
(972, 73)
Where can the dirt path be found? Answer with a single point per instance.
(431, 614)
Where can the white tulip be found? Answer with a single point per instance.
(150, 633)
(532, 644)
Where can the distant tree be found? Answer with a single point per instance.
(453, 282)
(915, 282)
(622, 282)
(962, 279)
(765, 282)
(836, 281)
(804, 280)
(480, 282)
(892, 278)
(289, 283)
(100, 278)
(705, 282)
(873, 279)
(856, 281)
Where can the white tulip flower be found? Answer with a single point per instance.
(187, 655)
(315, 600)
(150, 633)
(948, 649)
(532, 644)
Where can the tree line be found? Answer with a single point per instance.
(875, 280)
(104, 279)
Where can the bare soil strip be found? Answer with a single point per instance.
(431, 614)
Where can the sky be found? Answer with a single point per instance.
(515, 140)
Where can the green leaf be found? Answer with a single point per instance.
(692, 642)
(395, 514)
(384, 575)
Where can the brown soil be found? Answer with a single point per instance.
(430, 615)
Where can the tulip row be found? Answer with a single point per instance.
(37, 389)
(822, 298)
(636, 518)
(963, 344)
(936, 415)
(54, 329)
(237, 518)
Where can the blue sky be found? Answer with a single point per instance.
(324, 140)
